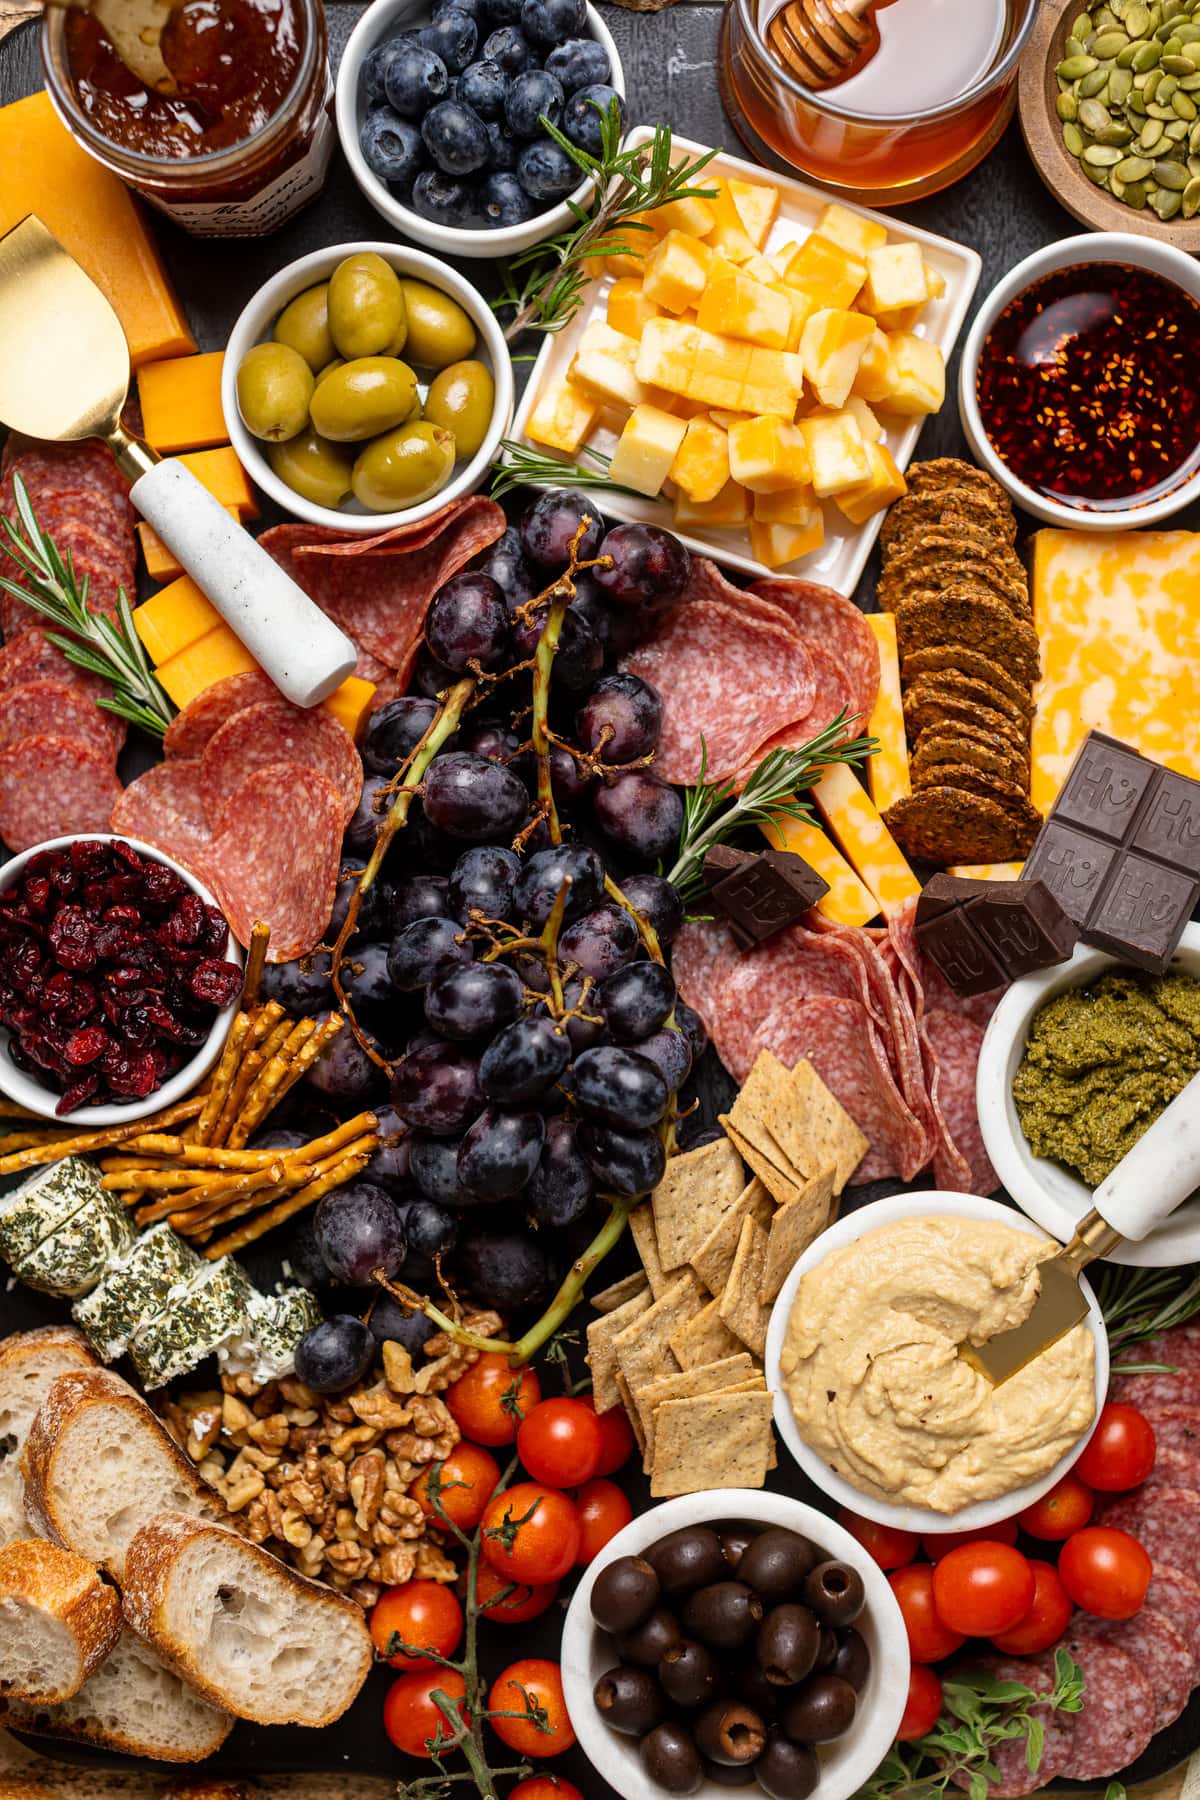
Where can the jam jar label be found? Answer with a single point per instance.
(265, 211)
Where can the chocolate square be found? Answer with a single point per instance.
(766, 893)
(1023, 925)
(951, 941)
(722, 860)
(1106, 785)
(1142, 912)
(1169, 827)
(1073, 865)
(941, 892)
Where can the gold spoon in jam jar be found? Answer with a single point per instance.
(824, 41)
(134, 28)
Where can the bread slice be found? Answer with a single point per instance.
(58, 1621)
(131, 1703)
(30, 1362)
(99, 1465)
(246, 1630)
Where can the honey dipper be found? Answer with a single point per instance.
(824, 41)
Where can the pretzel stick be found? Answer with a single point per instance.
(278, 1078)
(223, 1076)
(301, 1170)
(25, 1140)
(274, 1043)
(96, 1140)
(287, 1208)
(191, 1156)
(256, 956)
(121, 1181)
(9, 1109)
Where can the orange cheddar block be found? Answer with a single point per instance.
(848, 901)
(223, 475)
(629, 307)
(884, 484)
(43, 170)
(181, 403)
(887, 771)
(988, 871)
(350, 704)
(159, 560)
(193, 670)
(863, 838)
(173, 619)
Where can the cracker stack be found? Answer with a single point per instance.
(680, 1344)
(969, 660)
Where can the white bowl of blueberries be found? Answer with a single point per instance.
(440, 116)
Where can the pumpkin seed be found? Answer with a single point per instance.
(1101, 156)
(1108, 43)
(1120, 86)
(1137, 104)
(1175, 133)
(1165, 113)
(1188, 34)
(1081, 29)
(1098, 177)
(1093, 116)
(1067, 106)
(1134, 168)
(1190, 201)
(1093, 85)
(1152, 81)
(1135, 195)
(1125, 60)
(1151, 133)
(1137, 19)
(1166, 88)
(1072, 67)
(1144, 57)
(1073, 139)
(1178, 65)
(1171, 175)
(1190, 83)
(1166, 203)
(1185, 106)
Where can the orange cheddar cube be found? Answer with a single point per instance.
(873, 376)
(788, 506)
(757, 204)
(562, 416)
(884, 484)
(916, 378)
(676, 271)
(837, 452)
(777, 545)
(701, 466)
(181, 403)
(629, 307)
(768, 455)
(852, 230)
(223, 475)
(729, 508)
(193, 670)
(694, 216)
(350, 704)
(729, 234)
(174, 618)
(830, 273)
(831, 348)
(740, 307)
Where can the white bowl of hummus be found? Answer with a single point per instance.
(587, 1652)
(870, 1396)
(1046, 1189)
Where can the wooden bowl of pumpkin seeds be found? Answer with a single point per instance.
(1110, 109)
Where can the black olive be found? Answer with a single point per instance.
(734, 1544)
(827, 1649)
(729, 1775)
(687, 1559)
(786, 1771)
(822, 1709)
(649, 1642)
(724, 1615)
(788, 1639)
(835, 1592)
(624, 1594)
(853, 1659)
(629, 1700)
(776, 1563)
(752, 1685)
(670, 1758)
(690, 1674)
(730, 1732)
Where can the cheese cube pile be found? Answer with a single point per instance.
(749, 387)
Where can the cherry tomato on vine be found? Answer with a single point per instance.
(490, 1400)
(1048, 1616)
(982, 1588)
(411, 1716)
(616, 1437)
(923, 1707)
(929, 1639)
(603, 1511)
(531, 1533)
(545, 1787)
(1105, 1571)
(425, 1613)
(466, 1481)
(541, 1681)
(560, 1441)
(1065, 1508)
(937, 1544)
(1120, 1452)
(884, 1544)
(523, 1603)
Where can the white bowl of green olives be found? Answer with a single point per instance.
(791, 1676)
(366, 386)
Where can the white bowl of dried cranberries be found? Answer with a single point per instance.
(119, 979)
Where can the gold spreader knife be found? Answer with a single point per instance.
(1157, 1175)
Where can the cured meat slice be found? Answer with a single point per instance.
(54, 708)
(50, 786)
(1177, 1427)
(790, 968)
(275, 856)
(1172, 1468)
(98, 537)
(88, 462)
(824, 616)
(1180, 1389)
(831, 697)
(31, 656)
(165, 807)
(955, 1043)
(1014, 1777)
(1159, 1650)
(1178, 1596)
(274, 732)
(702, 954)
(1117, 1720)
(1180, 1346)
(1165, 1520)
(191, 729)
(377, 589)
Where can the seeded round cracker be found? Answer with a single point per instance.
(958, 744)
(935, 658)
(936, 568)
(949, 472)
(976, 693)
(971, 780)
(962, 615)
(928, 704)
(916, 513)
(944, 825)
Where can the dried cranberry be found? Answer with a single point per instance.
(125, 976)
(85, 1046)
(161, 885)
(122, 915)
(186, 924)
(58, 993)
(37, 894)
(113, 942)
(123, 852)
(72, 939)
(215, 982)
(78, 1094)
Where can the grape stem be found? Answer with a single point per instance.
(560, 596)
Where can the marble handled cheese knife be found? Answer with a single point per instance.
(64, 375)
(1146, 1186)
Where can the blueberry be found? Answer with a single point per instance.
(414, 79)
(391, 146)
(444, 200)
(374, 66)
(545, 171)
(531, 95)
(476, 9)
(502, 150)
(505, 201)
(453, 36)
(579, 63)
(507, 47)
(455, 137)
(503, 12)
(550, 22)
(482, 86)
(585, 113)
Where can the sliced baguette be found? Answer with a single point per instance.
(132, 1703)
(99, 1465)
(250, 1633)
(58, 1621)
(30, 1362)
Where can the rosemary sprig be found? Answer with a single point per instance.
(712, 812)
(108, 648)
(1138, 1304)
(524, 467)
(544, 285)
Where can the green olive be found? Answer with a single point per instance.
(366, 307)
(337, 362)
(462, 399)
(439, 331)
(304, 324)
(274, 386)
(404, 467)
(314, 468)
(363, 398)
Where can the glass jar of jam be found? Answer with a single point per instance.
(243, 141)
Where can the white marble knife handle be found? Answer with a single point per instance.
(303, 652)
(1159, 1173)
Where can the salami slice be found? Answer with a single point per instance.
(831, 697)
(955, 1043)
(1178, 1596)
(50, 786)
(88, 462)
(32, 657)
(1159, 1650)
(1165, 1520)
(1180, 1389)
(793, 967)
(701, 956)
(1014, 1777)
(1180, 1346)
(1117, 1720)
(165, 807)
(56, 709)
(274, 731)
(191, 729)
(825, 617)
(275, 857)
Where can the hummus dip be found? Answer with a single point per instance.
(871, 1369)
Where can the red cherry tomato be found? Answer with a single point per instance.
(890, 1548)
(421, 1612)
(937, 1544)
(490, 1400)
(923, 1707)
(1065, 1508)
(560, 1441)
(412, 1717)
(1047, 1618)
(538, 1682)
(531, 1533)
(522, 1603)
(929, 1637)
(1105, 1571)
(982, 1588)
(1120, 1452)
(545, 1787)
(617, 1435)
(466, 1481)
(603, 1511)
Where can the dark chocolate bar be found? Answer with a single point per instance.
(763, 894)
(983, 933)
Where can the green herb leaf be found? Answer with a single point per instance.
(522, 467)
(1139, 1304)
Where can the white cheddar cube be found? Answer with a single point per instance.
(832, 345)
(605, 364)
(837, 452)
(916, 382)
(562, 417)
(757, 204)
(646, 449)
(868, 424)
(895, 281)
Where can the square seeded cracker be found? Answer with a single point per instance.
(693, 1196)
(780, 1182)
(710, 1441)
(643, 1349)
(601, 1355)
(799, 1114)
(792, 1230)
(740, 1307)
(645, 1240)
(736, 1371)
(705, 1339)
(714, 1259)
(628, 1288)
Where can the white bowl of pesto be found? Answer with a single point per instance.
(1048, 1191)
(932, 1450)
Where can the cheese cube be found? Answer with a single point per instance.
(935, 282)
(727, 420)
(350, 704)
(761, 268)
(768, 455)
(646, 449)
(863, 837)
(790, 506)
(757, 205)
(837, 451)
(847, 901)
(562, 416)
(884, 484)
(676, 271)
(895, 281)
(831, 349)
(174, 618)
(701, 466)
(776, 545)
(729, 235)
(868, 424)
(801, 308)
(728, 508)
(852, 230)
(181, 403)
(629, 307)
(916, 379)
(605, 365)
(193, 670)
(224, 477)
(696, 217)
(829, 272)
(874, 371)
(744, 308)
(773, 383)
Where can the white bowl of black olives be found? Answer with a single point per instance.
(735, 1639)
